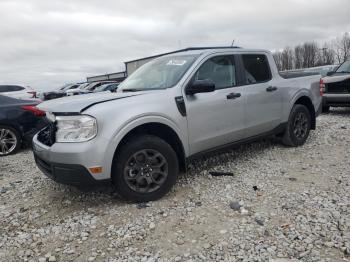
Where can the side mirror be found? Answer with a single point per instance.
(330, 73)
(200, 86)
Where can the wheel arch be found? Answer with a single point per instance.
(306, 101)
(161, 130)
(14, 126)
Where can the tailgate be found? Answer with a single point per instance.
(339, 87)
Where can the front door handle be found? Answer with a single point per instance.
(233, 95)
(271, 89)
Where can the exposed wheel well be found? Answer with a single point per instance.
(304, 100)
(15, 127)
(162, 131)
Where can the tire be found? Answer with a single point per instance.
(145, 169)
(298, 126)
(325, 109)
(10, 141)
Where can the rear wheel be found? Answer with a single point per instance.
(10, 140)
(298, 127)
(145, 169)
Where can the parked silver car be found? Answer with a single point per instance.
(16, 91)
(173, 108)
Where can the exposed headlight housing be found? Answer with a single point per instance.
(79, 128)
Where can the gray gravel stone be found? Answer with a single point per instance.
(306, 218)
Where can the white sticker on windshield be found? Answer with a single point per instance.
(177, 62)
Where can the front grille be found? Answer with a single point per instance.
(48, 134)
(339, 87)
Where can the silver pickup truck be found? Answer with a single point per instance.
(175, 107)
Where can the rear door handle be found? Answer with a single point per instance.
(271, 89)
(233, 95)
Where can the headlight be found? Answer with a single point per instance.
(78, 128)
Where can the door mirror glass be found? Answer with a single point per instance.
(200, 86)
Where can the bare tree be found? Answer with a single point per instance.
(326, 55)
(278, 59)
(310, 54)
(287, 58)
(342, 48)
(299, 56)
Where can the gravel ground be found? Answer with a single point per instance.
(282, 204)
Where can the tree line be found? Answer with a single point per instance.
(311, 54)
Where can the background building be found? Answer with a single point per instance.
(119, 77)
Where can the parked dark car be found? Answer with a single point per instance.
(61, 92)
(89, 88)
(112, 87)
(19, 121)
(336, 88)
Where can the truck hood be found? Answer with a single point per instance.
(335, 78)
(77, 104)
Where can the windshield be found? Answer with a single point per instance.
(65, 87)
(161, 73)
(344, 68)
(82, 86)
(104, 87)
(88, 86)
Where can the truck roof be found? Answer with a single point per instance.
(201, 50)
(210, 50)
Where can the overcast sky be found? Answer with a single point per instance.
(46, 43)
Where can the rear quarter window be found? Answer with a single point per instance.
(256, 68)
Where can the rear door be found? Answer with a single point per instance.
(216, 118)
(263, 97)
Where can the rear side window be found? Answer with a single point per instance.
(10, 88)
(220, 69)
(256, 68)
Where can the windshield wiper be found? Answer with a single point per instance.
(141, 89)
(133, 90)
(344, 72)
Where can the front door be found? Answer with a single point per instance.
(216, 118)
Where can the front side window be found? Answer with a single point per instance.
(256, 68)
(219, 69)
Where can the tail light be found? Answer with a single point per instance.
(33, 109)
(322, 87)
(33, 93)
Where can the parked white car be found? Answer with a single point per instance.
(86, 88)
(16, 91)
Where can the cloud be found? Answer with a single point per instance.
(49, 43)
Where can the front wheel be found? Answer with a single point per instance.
(298, 126)
(10, 141)
(145, 169)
